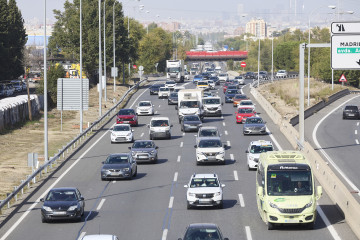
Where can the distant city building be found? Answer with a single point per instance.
(257, 27)
(238, 31)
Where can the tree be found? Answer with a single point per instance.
(4, 41)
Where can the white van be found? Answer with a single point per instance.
(159, 127)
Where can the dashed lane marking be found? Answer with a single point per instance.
(81, 235)
(232, 157)
(236, 176)
(165, 232)
(176, 176)
(226, 132)
(241, 199)
(181, 144)
(178, 158)
(228, 143)
(248, 233)
(100, 204)
(357, 141)
(224, 124)
(142, 134)
(171, 202)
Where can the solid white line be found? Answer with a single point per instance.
(357, 141)
(175, 176)
(355, 132)
(181, 144)
(100, 204)
(241, 199)
(236, 176)
(331, 229)
(352, 185)
(81, 235)
(171, 202)
(165, 232)
(178, 158)
(228, 143)
(12, 228)
(142, 134)
(232, 157)
(248, 233)
(226, 132)
(274, 140)
(224, 124)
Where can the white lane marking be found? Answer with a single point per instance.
(159, 106)
(226, 132)
(241, 199)
(142, 134)
(114, 181)
(331, 229)
(274, 140)
(100, 204)
(357, 141)
(357, 124)
(228, 143)
(248, 233)
(171, 202)
(165, 232)
(222, 117)
(81, 235)
(236, 176)
(352, 185)
(183, 134)
(12, 228)
(178, 158)
(175, 176)
(181, 144)
(156, 112)
(355, 132)
(232, 157)
(224, 124)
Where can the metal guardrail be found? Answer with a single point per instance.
(72, 144)
(268, 80)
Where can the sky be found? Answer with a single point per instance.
(169, 10)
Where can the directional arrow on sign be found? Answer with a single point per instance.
(358, 62)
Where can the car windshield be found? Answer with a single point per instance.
(173, 70)
(231, 91)
(117, 159)
(245, 110)
(240, 97)
(260, 149)
(246, 103)
(202, 83)
(159, 123)
(289, 183)
(174, 94)
(143, 144)
(211, 101)
(121, 128)
(202, 234)
(210, 82)
(144, 104)
(208, 133)
(155, 86)
(164, 89)
(204, 182)
(170, 82)
(126, 112)
(189, 104)
(61, 195)
(210, 143)
(191, 118)
(254, 120)
(232, 87)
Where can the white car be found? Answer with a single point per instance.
(170, 84)
(254, 150)
(211, 84)
(204, 190)
(240, 79)
(164, 92)
(223, 77)
(281, 74)
(145, 108)
(159, 127)
(100, 237)
(122, 133)
(246, 103)
(210, 150)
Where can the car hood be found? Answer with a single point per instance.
(204, 190)
(116, 166)
(144, 107)
(206, 150)
(188, 111)
(245, 114)
(258, 125)
(142, 149)
(291, 201)
(121, 133)
(193, 122)
(59, 205)
(126, 116)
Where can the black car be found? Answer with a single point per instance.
(351, 111)
(249, 75)
(229, 95)
(154, 89)
(62, 203)
(215, 79)
(144, 151)
(119, 166)
(197, 231)
(173, 98)
(190, 123)
(205, 75)
(263, 75)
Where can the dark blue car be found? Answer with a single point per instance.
(229, 95)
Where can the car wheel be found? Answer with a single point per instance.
(132, 140)
(156, 159)
(270, 226)
(78, 219)
(112, 142)
(169, 136)
(43, 219)
(221, 205)
(135, 173)
(103, 179)
(151, 137)
(188, 206)
(182, 128)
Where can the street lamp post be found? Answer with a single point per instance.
(45, 93)
(258, 84)
(272, 57)
(104, 54)
(114, 43)
(100, 62)
(81, 80)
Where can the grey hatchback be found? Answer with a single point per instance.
(190, 123)
(119, 166)
(144, 151)
(203, 231)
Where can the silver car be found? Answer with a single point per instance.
(144, 151)
(254, 125)
(119, 166)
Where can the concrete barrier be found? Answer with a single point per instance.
(15, 109)
(334, 187)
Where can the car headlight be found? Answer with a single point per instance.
(72, 208)
(129, 134)
(133, 153)
(152, 152)
(113, 134)
(217, 194)
(221, 152)
(191, 194)
(251, 158)
(186, 125)
(48, 209)
(273, 205)
(263, 128)
(309, 204)
(126, 169)
(200, 125)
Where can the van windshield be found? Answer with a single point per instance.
(159, 123)
(189, 104)
(289, 183)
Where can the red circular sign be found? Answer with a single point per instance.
(134, 67)
(243, 64)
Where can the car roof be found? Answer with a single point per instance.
(204, 175)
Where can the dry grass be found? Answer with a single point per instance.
(284, 95)
(29, 137)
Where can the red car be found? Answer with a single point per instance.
(225, 86)
(242, 113)
(127, 115)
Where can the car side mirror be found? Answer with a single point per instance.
(148, 125)
(319, 192)
(225, 146)
(222, 104)
(82, 199)
(186, 186)
(226, 239)
(156, 147)
(179, 238)
(41, 200)
(222, 185)
(153, 105)
(103, 162)
(132, 130)
(260, 192)
(264, 122)
(195, 146)
(129, 148)
(171, 125)
(247, 151)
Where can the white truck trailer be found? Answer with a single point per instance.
(175, 70)
(190, 103)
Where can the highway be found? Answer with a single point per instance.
(153, 204)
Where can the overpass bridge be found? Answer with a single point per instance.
(216, 55)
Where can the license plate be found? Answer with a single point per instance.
(351, 115)
(143, 157)
(291, 221)
(114, 174)
(204, 200)
(59, 213)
